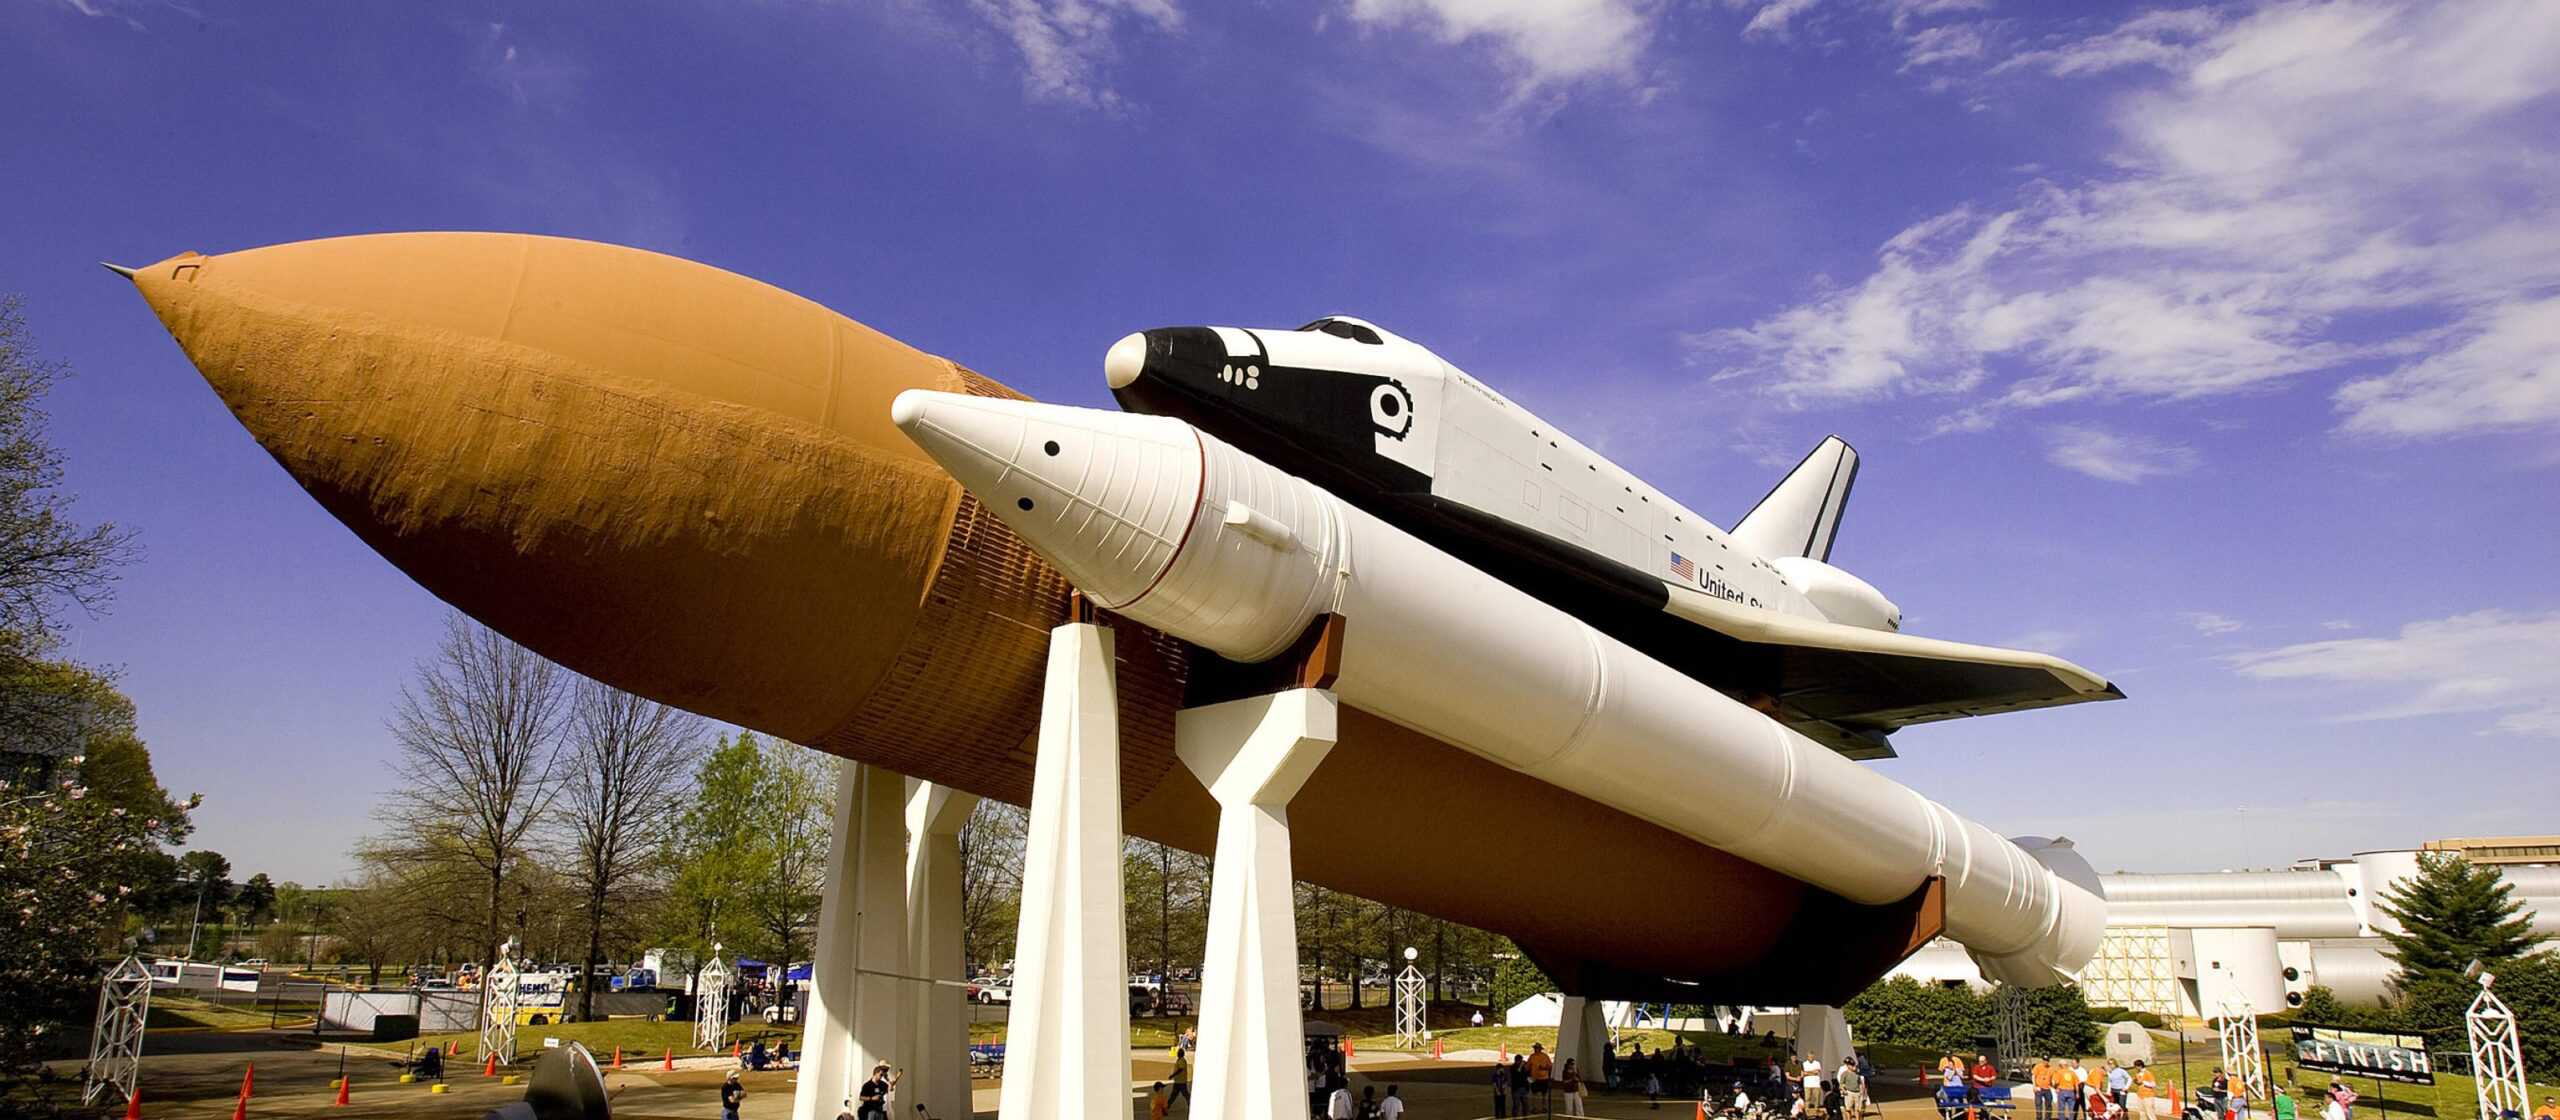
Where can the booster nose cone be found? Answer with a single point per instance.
(1126, 359)
(1106, 496)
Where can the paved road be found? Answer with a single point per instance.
(196, 1077)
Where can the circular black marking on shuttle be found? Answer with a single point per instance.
(1023, 504)
(1051, 447)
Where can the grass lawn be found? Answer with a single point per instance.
(638, 1038)
(181, 1011)
(2450, 1098)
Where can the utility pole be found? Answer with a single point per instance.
(197, 922)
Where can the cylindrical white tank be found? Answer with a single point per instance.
(2238, 963)
(1439, 646)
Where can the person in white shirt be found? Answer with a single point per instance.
(1341, 1106)
(1391, 1108)
(1812, 1084)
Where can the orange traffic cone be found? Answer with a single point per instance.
(671, 1058)
(342, 1090)
(734, 1051)
(617, 1057)
(240, 1108)
(133, 1106)
(490, 1067)
(1502, 1054)
(1702, 1110)
(1435, 1051)
(1348, 1050)
(248, 1078)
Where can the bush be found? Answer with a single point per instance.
(1903, 1011)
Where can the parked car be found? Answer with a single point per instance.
(995, 991)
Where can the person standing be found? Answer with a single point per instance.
(1339, 1106)
(1811, 1082)
(1181, 1076)
(1158, 1102)
(732, 1095)
(2119, 1081)
(1853, 1090)
(1519, 1085)
(2146, 1089)
(1391, 1108)
(1571, 1079)
(873, 1097)
(1542, 1074)
(1501, 1089)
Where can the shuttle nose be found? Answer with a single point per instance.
(1126, 359)
(1165, 358)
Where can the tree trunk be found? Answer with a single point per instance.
(595, 951)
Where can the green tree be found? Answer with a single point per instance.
(1905, 1011)
(49, 562)
(205, 877)
(795, 786)
(717, 852)
(2453, 912)
(255, 902)
(67, 889)
(1515, 978)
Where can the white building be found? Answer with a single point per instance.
(2180, 944)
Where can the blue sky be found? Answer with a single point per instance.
(2217, 348)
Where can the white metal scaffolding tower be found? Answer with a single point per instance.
(2010, 1011)
(2237, 1024)
(711, 1003)
(115, 1046)
(1409, 1005)
(500, 1003)
(2497, 1061)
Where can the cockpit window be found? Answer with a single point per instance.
(1339, 329)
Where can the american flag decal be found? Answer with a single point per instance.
(1684, 567)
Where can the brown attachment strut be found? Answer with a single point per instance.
(1313, 661)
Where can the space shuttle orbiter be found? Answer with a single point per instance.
(1758, 612)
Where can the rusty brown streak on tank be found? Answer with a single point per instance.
(684, 483)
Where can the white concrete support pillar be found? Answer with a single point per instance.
(1581, 1030)
(1253, 754)
(935, 1017)
(862, 932)
(1822, 1033)
(1067, 1044)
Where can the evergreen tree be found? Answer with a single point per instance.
(2452, 913)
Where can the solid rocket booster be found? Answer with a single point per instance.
(1180, 531)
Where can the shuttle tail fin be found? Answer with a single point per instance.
(1801, 515)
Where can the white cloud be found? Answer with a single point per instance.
(2491, 662)
(1066, 45)
(2338, 624)
(2113, 456)
(2505, 374)
(2310, 188)
(1770, 17)
(2210, 624)
(2169, 39)
(1549, 42)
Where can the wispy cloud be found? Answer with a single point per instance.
(1067, 46)
(2491, 662)
(2210, 624)
(2310, 188)
(1544, 42)
(2112, 456)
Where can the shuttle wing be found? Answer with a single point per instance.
(1863, 681)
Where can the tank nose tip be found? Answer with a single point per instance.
(908, 409)
(1126, 359)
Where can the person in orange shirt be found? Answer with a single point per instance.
(2550, 1109)
(2146, 1090)
(2042, 1078)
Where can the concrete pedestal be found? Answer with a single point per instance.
(1253, 755)
(934, 1018)
(1822, 1033)
(1066, 1052)
(853, 1010)
(1582, 1029)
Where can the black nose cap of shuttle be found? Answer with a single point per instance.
(1178, 357)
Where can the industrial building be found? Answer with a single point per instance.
(2183, 944)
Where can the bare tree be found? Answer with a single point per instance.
(478, 733)
(991, 881)
(628, 762)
